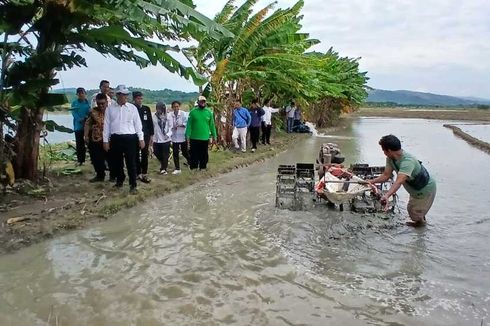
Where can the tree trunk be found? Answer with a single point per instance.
(27, 139)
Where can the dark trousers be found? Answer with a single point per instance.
(109, 160)
(98, 157)
(162, 152)
(254, 136)
(123, 148)
(199, 154)
(142, 157)
(266, 133)
(185, 153)
(81, 150)
(290, 125)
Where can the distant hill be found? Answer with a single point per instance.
(150, 96)
(403, 97)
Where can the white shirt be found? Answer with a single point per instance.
(94, 102)
(162, 136)
(267, 117)
(122, 120)
(290, 111)
(178, 126)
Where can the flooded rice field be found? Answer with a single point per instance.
(219, 252)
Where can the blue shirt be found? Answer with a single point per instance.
(79, 111)
(241, 118)
(256, 115)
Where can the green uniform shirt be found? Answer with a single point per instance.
(200, 124)
(410, 166)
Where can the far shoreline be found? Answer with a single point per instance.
(456, 114)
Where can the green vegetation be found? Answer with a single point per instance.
(242, 53)
(40, 38)
(268, 58)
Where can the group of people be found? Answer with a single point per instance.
(253, 121)
(118, 132)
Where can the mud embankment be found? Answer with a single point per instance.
(480, 144)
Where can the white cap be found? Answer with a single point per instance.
(121, 89)
(201, 98)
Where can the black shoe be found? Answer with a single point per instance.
(145, 179)
(96, 179)
(118, 185)
(133, 190)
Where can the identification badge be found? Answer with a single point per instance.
(145, 117)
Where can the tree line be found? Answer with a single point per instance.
(243, 52)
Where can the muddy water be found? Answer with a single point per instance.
(220, 253)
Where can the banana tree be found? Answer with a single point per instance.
(45, 36)
(263, 41)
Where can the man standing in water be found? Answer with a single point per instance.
(122, 132)
(412, 175)
(200, 127)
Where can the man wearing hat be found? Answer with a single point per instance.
(148, 131)
(122, 133)
(200, 127)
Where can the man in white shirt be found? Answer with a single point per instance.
(104, 88)
(267, 122)
(179, 119)
(290, 116)
(122, 132)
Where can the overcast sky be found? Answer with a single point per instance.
(438, 46)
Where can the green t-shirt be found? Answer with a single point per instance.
(200, 124)
(410, 166)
